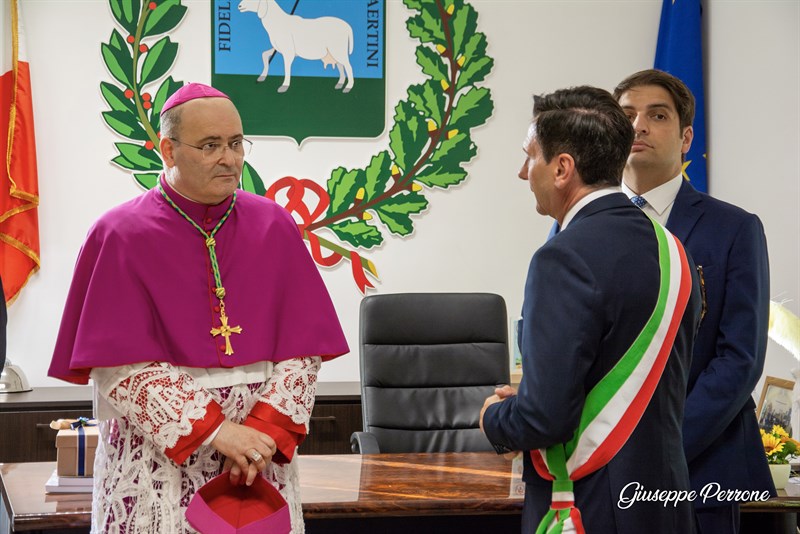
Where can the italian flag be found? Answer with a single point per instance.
(19, 191)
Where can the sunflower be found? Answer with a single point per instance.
(777, 430)
(772, 444)
(778, 446)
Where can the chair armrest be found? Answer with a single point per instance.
(364, 443)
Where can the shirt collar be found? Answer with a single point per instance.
(594, 195)
(661, 197)
(202, 214)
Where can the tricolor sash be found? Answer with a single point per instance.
(615, 405)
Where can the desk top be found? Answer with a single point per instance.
(334, 486)
(351, 485)
(44, 398)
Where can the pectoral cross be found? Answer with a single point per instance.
(226, 331)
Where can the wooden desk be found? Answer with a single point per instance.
(336, 415)
(341, 493)
(774, 516)
(25, 419)
(782, 503)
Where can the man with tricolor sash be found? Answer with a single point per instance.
(610, 312)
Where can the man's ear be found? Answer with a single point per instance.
(166, 146)
(564, 170)
(688, 136)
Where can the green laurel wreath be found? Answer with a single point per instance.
(429, 141)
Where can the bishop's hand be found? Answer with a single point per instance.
(247, 451)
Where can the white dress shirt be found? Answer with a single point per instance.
(659, 200)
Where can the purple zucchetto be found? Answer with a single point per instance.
(190, 91)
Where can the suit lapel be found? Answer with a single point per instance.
(685, 212)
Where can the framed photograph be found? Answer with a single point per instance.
(775, 405)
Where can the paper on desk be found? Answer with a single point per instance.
(517, 485)
(57, 484)
(793, 487)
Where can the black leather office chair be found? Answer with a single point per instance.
(428, 361)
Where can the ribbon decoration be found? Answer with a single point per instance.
(81, 451)
(358, 272)
(81, 422)
(78, 425)
(296, 192)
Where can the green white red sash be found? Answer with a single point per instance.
(615, 405)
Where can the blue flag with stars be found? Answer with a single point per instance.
(680, 52)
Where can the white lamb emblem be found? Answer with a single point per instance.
(329, 39)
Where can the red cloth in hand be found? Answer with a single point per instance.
(287, 434)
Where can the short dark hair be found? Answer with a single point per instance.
(681, 95)
(588, 124)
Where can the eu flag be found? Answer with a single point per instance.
(680, 52)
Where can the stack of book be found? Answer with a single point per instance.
(793, 487)
(57, 484)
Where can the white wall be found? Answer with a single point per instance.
(478, 237)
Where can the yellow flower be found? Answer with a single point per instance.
(771, 443)
(778, 449)
(778, 446)
(777, 430)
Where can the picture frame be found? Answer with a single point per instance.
(775, 404)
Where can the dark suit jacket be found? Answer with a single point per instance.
(720, 430)
(589, 292)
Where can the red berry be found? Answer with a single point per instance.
(149, 145)
(158, 135)
(147, 105)
(128, 93)
(146, 97)
(143, 48)
(131, 39)
(152, 5)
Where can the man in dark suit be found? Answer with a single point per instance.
(720, 430)
(598, 412)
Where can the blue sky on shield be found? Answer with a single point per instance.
(249, 39)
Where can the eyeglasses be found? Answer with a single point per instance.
(212, 151)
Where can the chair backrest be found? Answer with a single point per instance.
(428, 362)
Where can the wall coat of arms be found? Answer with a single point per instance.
(302, 68)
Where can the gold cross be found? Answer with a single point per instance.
(226, 331)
